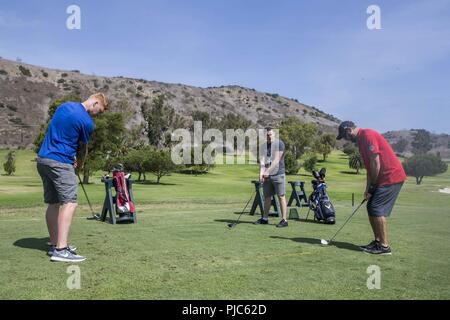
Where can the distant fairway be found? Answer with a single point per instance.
(181, 248)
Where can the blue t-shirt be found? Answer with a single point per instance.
(70, 124)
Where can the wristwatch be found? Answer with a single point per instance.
(372, 188)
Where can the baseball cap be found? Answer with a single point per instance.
(342, 127)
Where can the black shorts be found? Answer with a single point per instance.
(383, 199)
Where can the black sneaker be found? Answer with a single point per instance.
(370, 245)
(283, 223)
(261, 221)
(378, 249)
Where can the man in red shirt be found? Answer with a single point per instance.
(385, 177)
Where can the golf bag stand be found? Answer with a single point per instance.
(259, 201)
(110, 205)
(298, 195)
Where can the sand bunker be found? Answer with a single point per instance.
(445, 190)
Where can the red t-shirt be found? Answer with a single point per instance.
(391, 170)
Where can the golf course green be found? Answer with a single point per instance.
(181, 247)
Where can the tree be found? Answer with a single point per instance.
(160, 164)
(423, 165)
(325, 144)
(350, 148)
(355, 161)
(158, 119)
(10, 163)
(422, 142)
(204, 117)
(137, 161)
(310, 161)
(292, 165)
(400, 145)
(296, 135)
(232, 121)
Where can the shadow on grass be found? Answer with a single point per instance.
(348, 172)
(152, 183)
(310, 220)
(339, 244)
(33, 243)
(233, 221)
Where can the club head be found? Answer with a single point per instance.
(324, 242)
(315, 174)
(231, 225)
(94, 217)
(322, 173)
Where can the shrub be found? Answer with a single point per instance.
(292, 165)
(64, 75)
(10, 164)
(3, 72)
(350, 148)
(310, 161)
(26, 72)
(12, 108)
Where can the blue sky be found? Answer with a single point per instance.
(319, 52)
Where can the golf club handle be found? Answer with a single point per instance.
(362, 202)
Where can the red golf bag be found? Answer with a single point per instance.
(123, 200)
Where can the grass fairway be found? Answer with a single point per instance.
(181, 248)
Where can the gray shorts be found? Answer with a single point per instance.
(275, 185)
(59, 180)
(383, 199)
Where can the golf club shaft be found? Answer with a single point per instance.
(244, 209)
(348, 219)
(85, 193)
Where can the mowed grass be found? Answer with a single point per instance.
(181, 247)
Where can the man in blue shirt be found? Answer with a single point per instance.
(70, 127)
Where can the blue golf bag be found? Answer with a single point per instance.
(319, 201)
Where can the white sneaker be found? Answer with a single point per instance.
(53, 248)
(66, 256)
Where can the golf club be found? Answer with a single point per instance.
(325, 242)
(232, 225)
(94, 216)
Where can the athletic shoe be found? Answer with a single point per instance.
(66, 256)
(71, 248)
(370, 245)
(378, 249)
(283, 223)
(261, 221)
